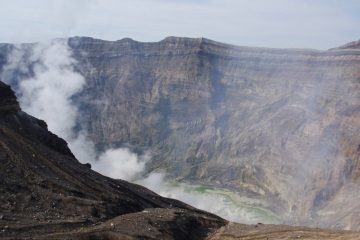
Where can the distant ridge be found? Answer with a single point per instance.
(350, 45)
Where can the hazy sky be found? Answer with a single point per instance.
(319, 24)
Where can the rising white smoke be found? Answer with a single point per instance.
(46, 93)
(121, 162)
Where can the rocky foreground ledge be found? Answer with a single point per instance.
(47, 194)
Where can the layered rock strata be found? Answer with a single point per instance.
(280, 124)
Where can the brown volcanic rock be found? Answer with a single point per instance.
(45, 192)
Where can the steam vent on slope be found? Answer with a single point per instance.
(277, 128)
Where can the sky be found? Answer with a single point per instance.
(317, 24)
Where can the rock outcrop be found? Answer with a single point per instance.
(30, 127)
(279, 124)
(8, 102)
(47, 194)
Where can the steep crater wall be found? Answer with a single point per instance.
(282, 124)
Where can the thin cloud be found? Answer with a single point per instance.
(320, 24)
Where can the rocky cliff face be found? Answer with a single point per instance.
(47, 194)
(8, 102)
(282, 124)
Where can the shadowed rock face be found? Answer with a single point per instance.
(282, 124)
(46, 193)
(8, 103)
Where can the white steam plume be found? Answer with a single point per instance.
(46, 93)
(115, 162)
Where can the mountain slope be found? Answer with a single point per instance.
(46, 193)
(278, 124)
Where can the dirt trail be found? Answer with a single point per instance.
(261, 231)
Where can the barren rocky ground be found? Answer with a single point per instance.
(261, 231)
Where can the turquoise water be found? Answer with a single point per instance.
(222, 202)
